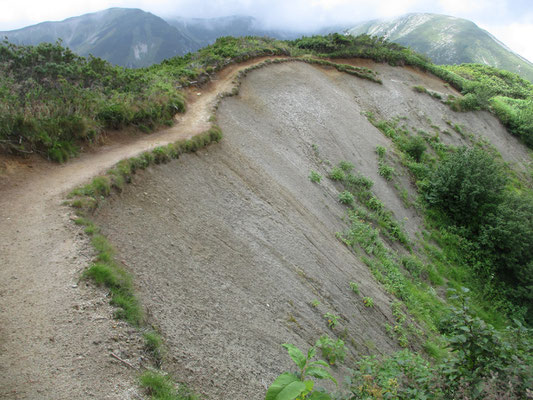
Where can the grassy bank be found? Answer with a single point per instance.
(106, 271)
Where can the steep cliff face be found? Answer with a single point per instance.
(447, 40)
(234, 249)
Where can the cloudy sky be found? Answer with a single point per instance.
(511, 21)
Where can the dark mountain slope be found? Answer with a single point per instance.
(127, 37)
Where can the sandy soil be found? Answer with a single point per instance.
(228, 246)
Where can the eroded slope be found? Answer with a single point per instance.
(229, 247)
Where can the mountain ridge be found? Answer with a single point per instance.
(108, 34)
(447, 40)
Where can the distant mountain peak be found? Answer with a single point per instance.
(447, 40)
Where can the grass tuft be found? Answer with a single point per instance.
(161, 387)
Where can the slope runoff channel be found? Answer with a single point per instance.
(230, 246)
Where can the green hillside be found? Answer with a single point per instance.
(447, 40)
(54, 100)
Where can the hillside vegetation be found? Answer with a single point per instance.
(54, 101)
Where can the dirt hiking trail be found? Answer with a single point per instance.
(56, 336)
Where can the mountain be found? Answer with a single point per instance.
(205, 31)
(447, 40)
(127, 37)
(135, 38)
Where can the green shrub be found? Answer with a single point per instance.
(315, 177)
(403, 375)
(381, 151)
(346, 197)
(385, 170)
(358, 182)
(415, 147)
(161, 154)
(332, 351)
(468, 186)
(337, 174)
(346, 166)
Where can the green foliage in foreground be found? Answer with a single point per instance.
(482, 363)
(297, 386)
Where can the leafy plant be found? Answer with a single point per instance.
(355, 287)
(385, 170)
(296, 386)
(332, 351)
(346, 197)
(346, 166)
(368, 301)
(381, 151)
(315, 177)
(332, 319)
(336, 174)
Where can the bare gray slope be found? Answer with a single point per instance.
(230, 246)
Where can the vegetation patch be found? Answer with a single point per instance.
(161, 387)
(55, 102)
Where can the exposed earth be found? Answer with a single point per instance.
(228, 247)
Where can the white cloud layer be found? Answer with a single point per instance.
(509, 20)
